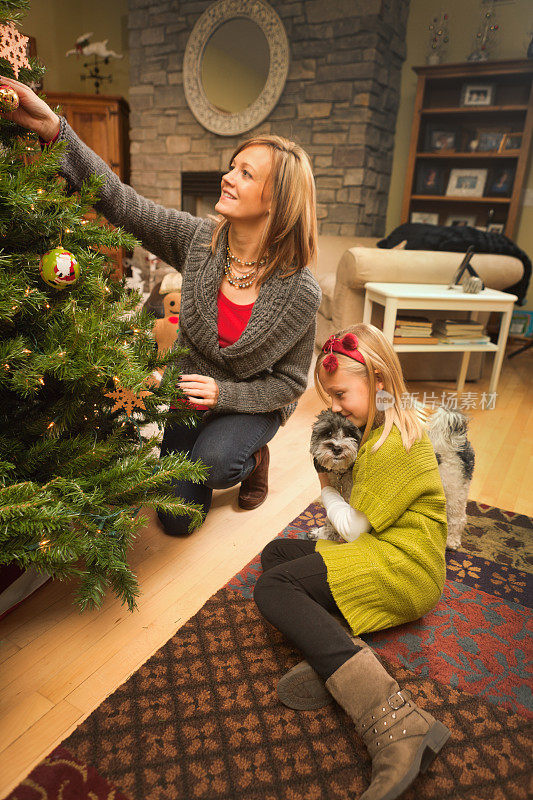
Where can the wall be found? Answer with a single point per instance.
(515, 20)
(339, 102)
(56, 24)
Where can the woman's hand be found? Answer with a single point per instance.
(32, 113)
(200, 389)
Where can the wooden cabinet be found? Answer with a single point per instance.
(470, 144)
(101, 122)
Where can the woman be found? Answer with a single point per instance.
(248, 302)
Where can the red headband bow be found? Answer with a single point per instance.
(347, 346)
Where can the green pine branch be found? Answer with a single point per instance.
(74, 470)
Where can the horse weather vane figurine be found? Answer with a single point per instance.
(101, 54)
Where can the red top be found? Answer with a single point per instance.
(232, 320)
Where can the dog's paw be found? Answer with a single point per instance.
(453, 542)
(325, 532)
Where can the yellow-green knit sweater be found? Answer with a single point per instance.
(395, 573)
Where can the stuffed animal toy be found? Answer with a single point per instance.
(166, 329)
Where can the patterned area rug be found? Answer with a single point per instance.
(201, 718)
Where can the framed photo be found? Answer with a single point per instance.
(477, 94)
(460, 220)
(501, 182)
(467, 182)
(496, 227)
(429, 179)
(438, 139)
(511, 141)
(425, 216)
(489, 140)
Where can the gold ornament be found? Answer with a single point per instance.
(126, 399)
(9, 99)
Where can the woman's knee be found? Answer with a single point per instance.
(221, 471)
(175, 525)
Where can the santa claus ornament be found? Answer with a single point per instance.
(59, 268)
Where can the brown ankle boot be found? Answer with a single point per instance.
(254, 489)
(402, 739)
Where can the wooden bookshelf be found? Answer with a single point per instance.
(440, 107)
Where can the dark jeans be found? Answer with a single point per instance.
(294, 596)
(226, 445)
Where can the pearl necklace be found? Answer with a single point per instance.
(244, 280)
(244, 263)
(239, 281)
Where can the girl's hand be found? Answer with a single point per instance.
(32, 113)
(200, 389)
(323, 477)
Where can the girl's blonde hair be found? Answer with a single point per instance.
(290, 235)
(381, 363)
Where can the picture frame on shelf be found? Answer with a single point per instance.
(477, 94)
(440, 139)
(511, 141)
(426, 217)
(501, 182)
(465, 182)
(461, 220)
(429, 179)
(496, 227)
(490, 141)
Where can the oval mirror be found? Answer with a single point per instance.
(235, 65)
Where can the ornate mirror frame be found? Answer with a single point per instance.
(213, 17)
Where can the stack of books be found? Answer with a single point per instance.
(459, 331)
(413, 330)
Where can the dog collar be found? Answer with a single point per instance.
(346, 346)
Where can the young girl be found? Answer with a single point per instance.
(390, 571)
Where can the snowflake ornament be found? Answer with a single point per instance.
(14, 47)
(126, 399)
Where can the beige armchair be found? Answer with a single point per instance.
(345, 264)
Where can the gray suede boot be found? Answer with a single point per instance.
(401, 738)
(303, 689)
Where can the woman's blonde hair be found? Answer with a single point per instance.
(381, 363)
(290, 235)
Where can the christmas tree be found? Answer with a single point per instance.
(75, 359)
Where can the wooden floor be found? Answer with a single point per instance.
(56, 665)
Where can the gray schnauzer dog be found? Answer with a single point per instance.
(335, 443)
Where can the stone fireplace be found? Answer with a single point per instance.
(339, 102)
(199, 192)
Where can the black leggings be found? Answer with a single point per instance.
(294, 596)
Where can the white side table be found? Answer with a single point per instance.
(396, 296)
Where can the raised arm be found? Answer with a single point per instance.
(165, 232)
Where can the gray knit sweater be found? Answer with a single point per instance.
(266, 368)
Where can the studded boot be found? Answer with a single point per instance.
(401, 738)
